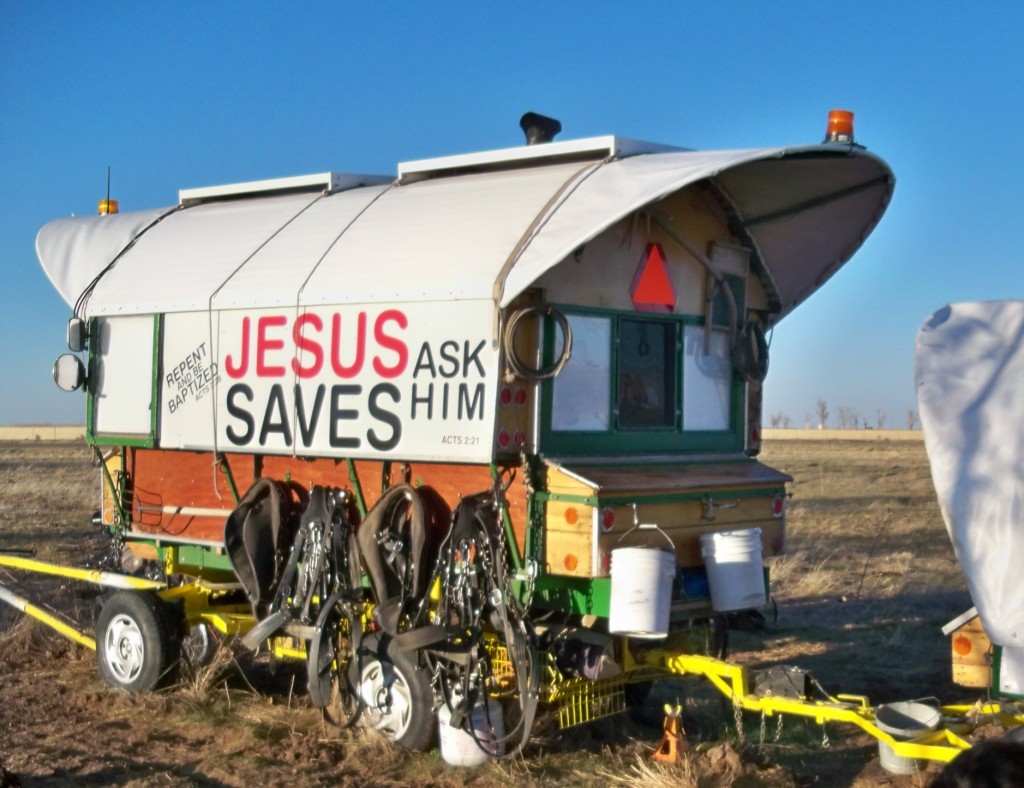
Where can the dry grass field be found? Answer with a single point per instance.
(868, 580)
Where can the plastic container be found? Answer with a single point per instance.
(641, 595)
(460, 748)
(735, 569)
(905, 721)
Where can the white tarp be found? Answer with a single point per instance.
(969, 370)
(806, 210)
(75, 250)
(482, 235)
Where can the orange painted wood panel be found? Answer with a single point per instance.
(162, 479)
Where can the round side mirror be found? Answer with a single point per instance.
(69, 372)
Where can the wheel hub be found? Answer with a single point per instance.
(125, 649)
(386, 696)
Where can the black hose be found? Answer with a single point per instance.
(518, 368)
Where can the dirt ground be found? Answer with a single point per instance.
(859, 600)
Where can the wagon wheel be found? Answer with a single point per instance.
(328, 664)
(395, 693)
(137, 646)
(198, 645)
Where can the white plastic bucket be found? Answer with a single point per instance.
(458, 746)
(641, 593)
(735, 571)
(904, 721)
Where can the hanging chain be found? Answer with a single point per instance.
(825, 743)
(116, 533)
(778, 730)
(738, 719)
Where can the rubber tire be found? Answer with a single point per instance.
(380, 670)
(331, 689)
(131, 622)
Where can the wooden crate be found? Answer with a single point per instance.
(972, 655)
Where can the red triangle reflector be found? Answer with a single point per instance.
(652, 289)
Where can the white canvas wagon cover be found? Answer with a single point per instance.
(479, 234)
(969, 368)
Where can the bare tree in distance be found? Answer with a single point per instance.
(808, 420)
(780, 420)
(880, 419)
(848, 418)
(822, 410)
(911, 419)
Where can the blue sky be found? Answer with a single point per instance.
(190, 94)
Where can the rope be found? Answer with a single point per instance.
(516, 367)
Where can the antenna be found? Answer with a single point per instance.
(108, 206)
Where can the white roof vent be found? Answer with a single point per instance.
(326, 182)
(595, 148)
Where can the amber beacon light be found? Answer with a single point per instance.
(840, 126)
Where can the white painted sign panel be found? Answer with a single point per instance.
(188, 377)
(403, 381)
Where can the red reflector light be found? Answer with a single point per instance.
(520, 397)
(504, 439)
(607, 519)
(606, 563)
(778, 506)
(506, 396)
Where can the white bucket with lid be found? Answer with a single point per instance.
(641, 596)
(735, 569)
(459, 747)
(905, 721)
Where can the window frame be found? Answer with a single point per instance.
(647, 440)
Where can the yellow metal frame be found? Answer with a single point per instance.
(110, 579)
(26, 607)
(578, 700)
(941, 745)
(288, 648)
(581, 700)
(195, 598)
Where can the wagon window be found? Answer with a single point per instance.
(582, 400)
(637, 384)
(707, 380)
(646, 374)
